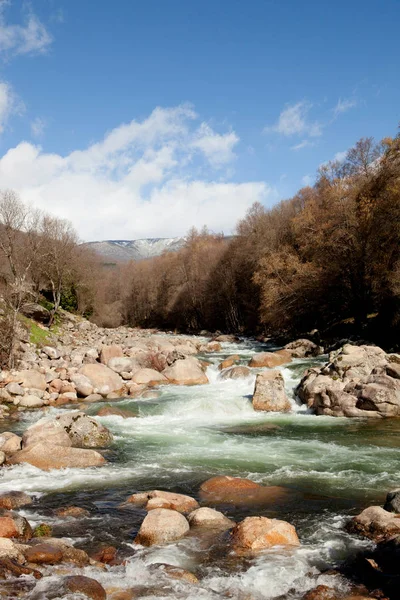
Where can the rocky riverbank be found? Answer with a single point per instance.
(85, 366)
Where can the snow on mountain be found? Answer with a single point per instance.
(120, 250)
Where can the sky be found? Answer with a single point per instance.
(137, 119)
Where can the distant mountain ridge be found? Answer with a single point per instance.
(122, 250)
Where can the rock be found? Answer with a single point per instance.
(175, 572)
(10, 442)
(186, 371)
(84, 431)
(120, 364)
(148, 377)
(94, 398)
(74, 512)
(210, 518)
(82, 384)
(10, 550)
(103, 379)
(160, 526)
(109, 352)
(46, 457)
(258, 533)
(31, 379)
(160, 499)
(29, 401)
(229, 362)
(110, 411)
(321, 592)
(47, 432)
(13, 525)
(236, 373)
(11, 500)
(51, 352)
(36, 312)
(269, 393)
(270, 359)
(2, 458)
(240, 492)
(302, 348)
(15, 389)
(392, 503)
(353, 384)
(86, 586)
(375, 523)
(211, 347)
(226, 338)
(43, 554)
(106, 555)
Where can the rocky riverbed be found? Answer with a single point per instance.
(145, 465)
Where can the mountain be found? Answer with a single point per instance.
(120, 250)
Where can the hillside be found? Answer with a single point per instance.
(121, 250)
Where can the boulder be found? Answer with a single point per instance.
(46, 457)
(74, 512)
(13, 525)
(160, 526)
(302, 348)
(110, 411)
(392, 503)
(235, 373)
(82, 384)
(30, 401)
(160, 499)
(11, 500)
(84, 586)
(43, 554)
(229, 362)
(103, 379)
(209, 518)
(10, 550)
(2, 458)
(269, 393)
(121, 364)
(174, 572)
(84, 431)
(15, 389)
(321, 592)
(31, 379)
(51, 352)
(186, 371)
(224, 489)
(226, 338)
(148, 377)
(47, 432)
(270, 359)
(36, 312)
(355, 383)
(109, 352)
(375, 523)
(10, 442)
(258, 533)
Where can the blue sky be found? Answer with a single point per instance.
(140, 119)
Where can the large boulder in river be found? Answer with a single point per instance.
(46, 431)
(235, 373)
(160, 526)
(186, 372)
(209, 518)
(375, 523)
(149, 377)
(46, 457)
(103, 379)
(355, 383)
(302, 348)
(160, 499)
(258, 533)
(229, 362)
(224, 489)
(392, 503)
(270, 359)
(269, 392)
(84, 431)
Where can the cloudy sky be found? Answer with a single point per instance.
(142, 118)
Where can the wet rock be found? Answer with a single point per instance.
(269, 393)
(209, 518)
(375, 523)
(160, 499)
(175, 572)
(13, 525)
(321, 592)
(148, 377)
(225, 488)
(47, 432)
(74, 512)
(258, 533)
(2, 458)
(103, 379)
(270, 359)
(43, 554)
(229, 362)
(302, 348)
(11, 500)
(86, 586)
(109, 411)
(84, 431)
(236, 373)
(186, 372)
(226, 338)
(160, 526)
(46, 457)
(30, 401)
(10, 442)
(10, 550)
(392, 503)
(106, 555)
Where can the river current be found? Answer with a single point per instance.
(332, 467)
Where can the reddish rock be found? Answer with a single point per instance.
(109, 411)
(11, 500)
(107, 555)
(78, 584)
(258, 533)
(270, 359)
(13, 525)
(321, 592)
(72, 511)
(109, 352)
(46, 456)
(160, 499)
(269, 392)
(160, 526)
(43, 554)
(229, 362)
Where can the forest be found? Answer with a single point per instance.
(327, 259)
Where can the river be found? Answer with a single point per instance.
(333, 468)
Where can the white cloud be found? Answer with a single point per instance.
(340, 156)
(307, 180)
(8, 103)
(139, 181)
(30, 38)
(343, 106)
(293, 120)
(303, 144)
(38, 126)
(217, 148)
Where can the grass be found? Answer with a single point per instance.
(37, 335)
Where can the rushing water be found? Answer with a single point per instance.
(332, 468)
